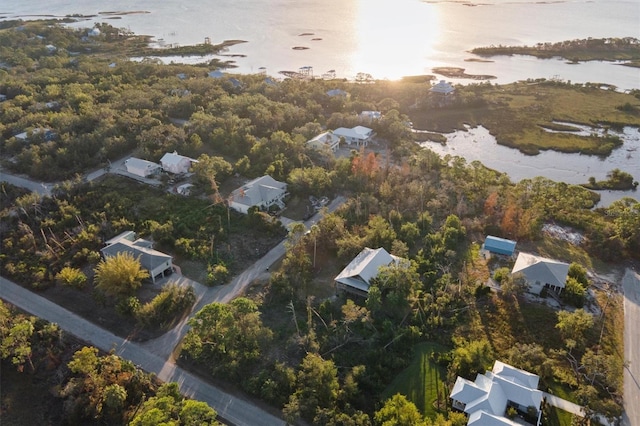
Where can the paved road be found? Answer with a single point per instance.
(631, 285)
(156, 355)
(23, 182)
(232, 409)
(165, 344)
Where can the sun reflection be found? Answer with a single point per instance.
(394, 37)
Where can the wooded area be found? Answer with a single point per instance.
(323, 360)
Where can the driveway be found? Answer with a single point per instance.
(631, 285)
(232, 409)
(156, 356)
(164, 345)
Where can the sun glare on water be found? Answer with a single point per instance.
(394, 37)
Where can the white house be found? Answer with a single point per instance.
(358, 135)
(357, 275)
(540, 272)
(158, 264)
(262, 192)
(442, 88)
(325, 140)
(173, 162)
(142, 168)
(486, 400)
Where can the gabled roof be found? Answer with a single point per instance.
(465, 390)
(139, 163)
(486, 399)
(358, 132)
(516, 375)
(482, 418)
(536, 268)
(365, 266)
(260, 190)
(140, 249)
(442, 87)
(327, 138)
(174, 159)
(499, 245)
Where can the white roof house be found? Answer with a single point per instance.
(142, 168)
(442, 88)
(326, 139)
(486, 400)
(357, 275)
(153, 261)
(358, 135)
(540, 272)
(262, 192)
(173, 162)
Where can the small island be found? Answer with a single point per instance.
(454, 72)
(596, 49)
(617, 180)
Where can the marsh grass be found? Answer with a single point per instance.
(516, 114)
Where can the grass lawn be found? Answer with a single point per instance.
(419, 382)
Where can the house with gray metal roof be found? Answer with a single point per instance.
(357, 275)
(158, 264)
(540, 272)
(262, 192)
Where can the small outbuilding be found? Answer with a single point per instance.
(499, 245)
(142, 168)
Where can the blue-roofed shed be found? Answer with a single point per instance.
(499, 245)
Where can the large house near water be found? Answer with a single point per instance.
(487, 399)
(158, 264)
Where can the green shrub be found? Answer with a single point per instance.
(72, 277)
(171, 302)
(217, 274)
(128, 306)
